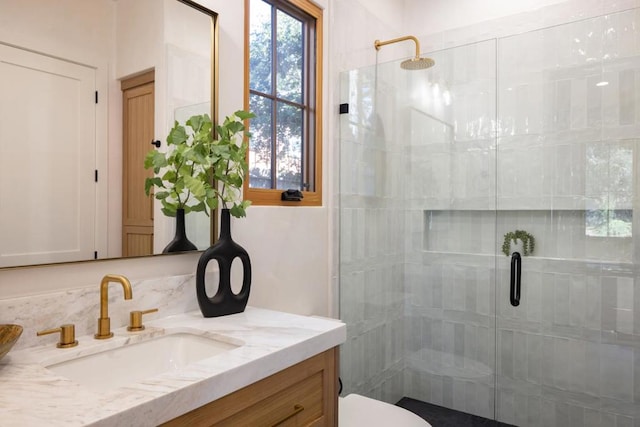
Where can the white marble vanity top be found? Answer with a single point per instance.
(31, 395)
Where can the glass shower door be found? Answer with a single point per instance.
(568, 115)
(451, 228)
(417, 230)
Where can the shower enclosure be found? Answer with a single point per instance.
(538, 132)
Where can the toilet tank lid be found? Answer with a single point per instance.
(355, 411)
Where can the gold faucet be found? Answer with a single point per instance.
(104, 323)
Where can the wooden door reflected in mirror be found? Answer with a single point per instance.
(138, 100)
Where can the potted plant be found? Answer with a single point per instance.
(229, 168)
(185, 176)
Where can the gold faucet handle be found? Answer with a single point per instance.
(67, 335)
(135, 320)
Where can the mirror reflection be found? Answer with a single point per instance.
(87, 86)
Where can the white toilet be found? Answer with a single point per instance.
(359, 411)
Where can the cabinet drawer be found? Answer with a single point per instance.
(302, 395)
(297, 405)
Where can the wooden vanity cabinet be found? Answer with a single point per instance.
(305, 394)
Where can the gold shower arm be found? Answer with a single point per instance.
(378, 44)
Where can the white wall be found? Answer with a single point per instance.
(440, 15)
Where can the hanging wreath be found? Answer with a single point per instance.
(528, 242)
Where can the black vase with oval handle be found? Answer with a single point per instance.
(224, 251)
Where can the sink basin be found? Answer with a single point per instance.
(132, 363)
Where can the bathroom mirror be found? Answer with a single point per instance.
(74, 92)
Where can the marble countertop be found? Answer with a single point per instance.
(269, 341)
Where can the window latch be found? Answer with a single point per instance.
(291, 196)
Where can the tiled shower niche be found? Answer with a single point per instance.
(562, 234)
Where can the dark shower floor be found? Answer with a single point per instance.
(439, 416)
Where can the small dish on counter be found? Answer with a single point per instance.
(9, 335)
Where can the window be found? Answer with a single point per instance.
(284, 90)
(609, 189)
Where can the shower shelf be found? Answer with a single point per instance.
(559, 234)
(538, 260)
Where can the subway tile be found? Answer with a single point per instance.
(505, 406)
(576, 416)
(561, 413)
(591, 418)
(561, 361)
(547, 413)
(534, 357)
(578, 300)
(616, 375)
(562, 299)
(520, 355)
(506, 353)
(593, 369)
(636, 376)
(626, 96)
(547, 374)
(624, 421)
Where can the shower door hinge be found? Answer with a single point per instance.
(96, 175)
(96, 97)
(95, 254)
(344, 108)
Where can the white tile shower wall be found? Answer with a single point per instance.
(450, 331)
(568, 353)
(574, 348)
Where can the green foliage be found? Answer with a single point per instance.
(528, 242)
(287, 63)
(186, 175)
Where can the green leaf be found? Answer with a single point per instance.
(212, 203)
(160, 195)
(170, 176)
(177, 135)
(244, 115)
(150, 182)
(237, 211)
(195, 122)
(155, 159)
(200, 207)
(195, 186)
(169, 210)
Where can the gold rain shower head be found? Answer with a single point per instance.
(415, 63)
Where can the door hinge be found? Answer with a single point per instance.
(95, 254)
(96, 97)
(96, 175)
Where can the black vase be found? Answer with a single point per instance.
(180, 243)
(225, 250)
